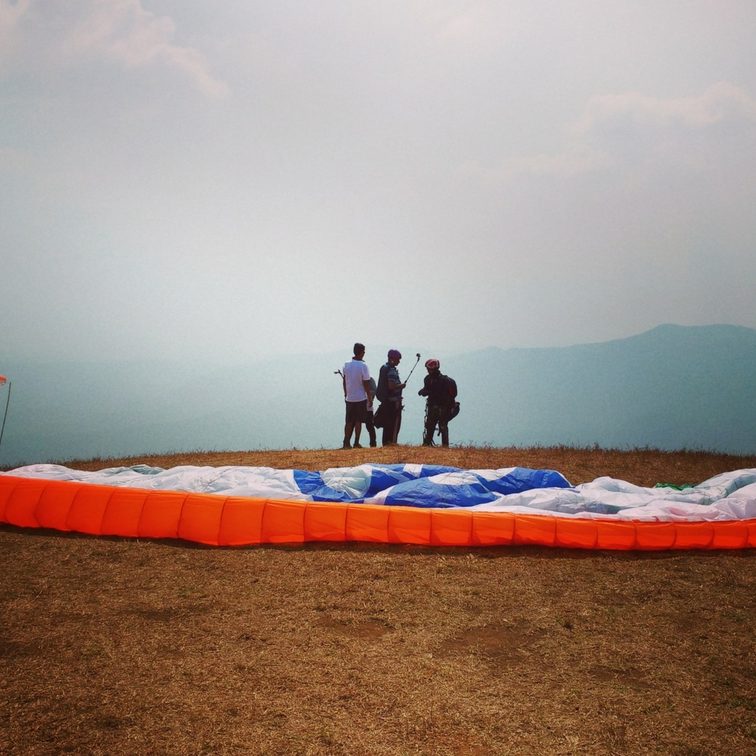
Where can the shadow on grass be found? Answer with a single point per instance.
(357, 547)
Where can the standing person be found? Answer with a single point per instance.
(357, 395)
(369, 423)
(389, 394)
(441, 393)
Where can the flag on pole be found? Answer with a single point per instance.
(3, 380)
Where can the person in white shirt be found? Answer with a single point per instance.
(358, 393)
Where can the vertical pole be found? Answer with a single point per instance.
(7, 402)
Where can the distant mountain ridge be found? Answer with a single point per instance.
(672, 387)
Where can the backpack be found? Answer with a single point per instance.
(451, 386)
(454, 411)
(379, 416)
(381, 393)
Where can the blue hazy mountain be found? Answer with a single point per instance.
(672, 387)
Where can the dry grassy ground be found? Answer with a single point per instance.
(127, 646)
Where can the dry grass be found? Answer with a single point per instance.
(127, 646)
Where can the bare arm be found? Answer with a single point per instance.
(368, 391)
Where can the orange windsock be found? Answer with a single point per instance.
(3, 379)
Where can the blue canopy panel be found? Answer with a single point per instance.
(355, 484)
(467, 488)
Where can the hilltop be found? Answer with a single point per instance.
(113, 645)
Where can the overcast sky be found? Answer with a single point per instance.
(240, 178)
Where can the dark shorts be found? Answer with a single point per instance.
(356, 412)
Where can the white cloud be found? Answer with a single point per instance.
(10, 17)
(10, 12)
(720, 102)
(121, 30)
(612, 126)
(470, 25)
(574, 161)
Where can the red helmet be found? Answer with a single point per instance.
(432, 364)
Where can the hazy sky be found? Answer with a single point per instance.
(237, 178)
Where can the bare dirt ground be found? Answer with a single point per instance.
(130, 646)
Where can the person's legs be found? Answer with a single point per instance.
(347, 426)
(389, 424)
(431, 418)
(443, 425)
(353, 423)
(397, 422)
(360, 417)
(370, 428)
(388, 428)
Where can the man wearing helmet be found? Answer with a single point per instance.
(389, 393)
(441, 392)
